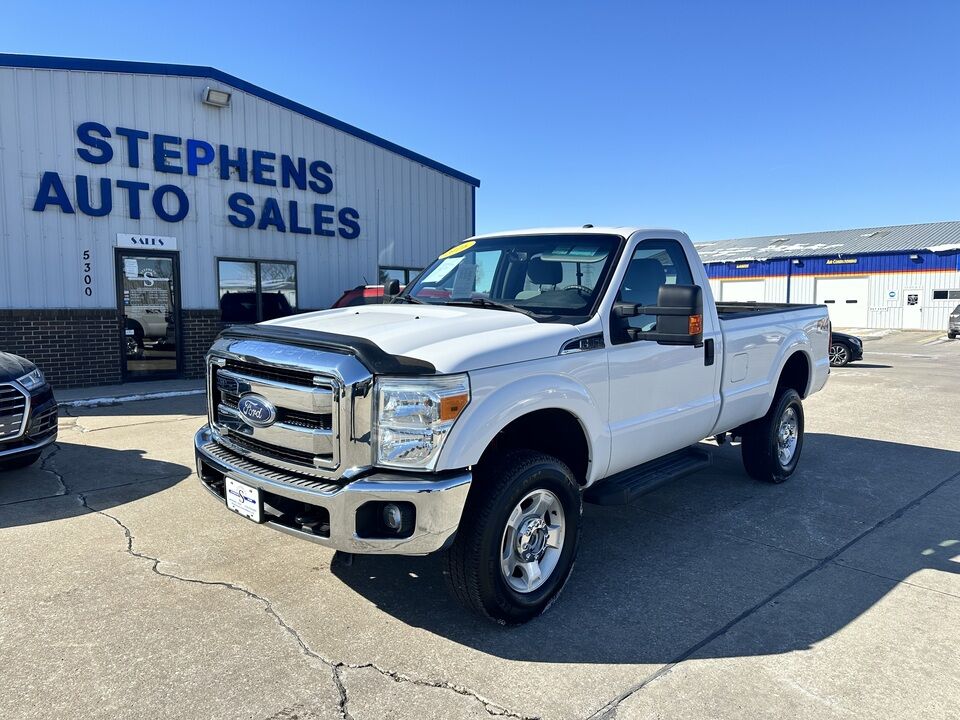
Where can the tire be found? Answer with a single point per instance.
(530, 483)
(761, 447)
(20, 461)
(952, 335)
(839, 354)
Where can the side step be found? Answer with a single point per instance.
(625, 487)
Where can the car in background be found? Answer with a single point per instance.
(953, 326)
(844, 349)
(28, 412)
(360, 295)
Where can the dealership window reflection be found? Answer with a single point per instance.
(256, 290)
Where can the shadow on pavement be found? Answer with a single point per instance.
(68, 469)
(655, 579)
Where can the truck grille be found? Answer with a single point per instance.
(13, 405)
(303, 436)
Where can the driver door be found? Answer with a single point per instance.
(662, 397)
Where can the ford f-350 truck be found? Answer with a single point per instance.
(518, 376)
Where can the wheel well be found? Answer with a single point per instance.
(795, 374)
(554, 432)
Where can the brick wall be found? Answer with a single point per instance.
(74, 348)
(199, 330)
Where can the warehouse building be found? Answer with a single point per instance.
(143, 206)
(903, 277)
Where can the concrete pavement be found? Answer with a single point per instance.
(129, 592)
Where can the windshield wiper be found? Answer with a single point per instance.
(407, 298)
(493, 304)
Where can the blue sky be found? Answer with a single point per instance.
(722, 119)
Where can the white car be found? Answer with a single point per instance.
(521, 374)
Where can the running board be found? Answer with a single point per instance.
(625, 487)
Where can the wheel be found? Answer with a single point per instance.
(839, 354)
(517, 539)
(952, 335)
(20, 461)
(771, 445)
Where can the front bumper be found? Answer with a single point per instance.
(438, 500)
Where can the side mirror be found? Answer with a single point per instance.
(679, 312)
(392, 288)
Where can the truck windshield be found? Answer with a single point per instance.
(549, 275)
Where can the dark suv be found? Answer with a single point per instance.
(28, 412)
(953, 326)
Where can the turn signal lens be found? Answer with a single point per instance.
(695, 325)
(452, 406)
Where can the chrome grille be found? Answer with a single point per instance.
(13, 408)
(303, 436)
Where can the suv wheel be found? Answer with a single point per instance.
(771, 445)
(517, 539)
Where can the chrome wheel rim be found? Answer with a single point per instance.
(787, 436)
(838, 354)
(532, 541)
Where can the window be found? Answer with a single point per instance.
(547, 276)
(946, 294)
(256, 290)
(654, 263)
(403, 274)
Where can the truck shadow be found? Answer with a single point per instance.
(657, 579)
(48, 489)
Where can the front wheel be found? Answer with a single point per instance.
(839, 354)
(771, 445)
(517, 539)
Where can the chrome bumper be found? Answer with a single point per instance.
(21, 449)
(438, 501)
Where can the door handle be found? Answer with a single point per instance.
(708, 352)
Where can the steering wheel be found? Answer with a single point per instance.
(582, 290)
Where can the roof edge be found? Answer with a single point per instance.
(50, 62)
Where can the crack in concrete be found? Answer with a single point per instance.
(609, 710)
(64, 488)
(336, 667)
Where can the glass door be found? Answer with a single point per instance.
(148, 297)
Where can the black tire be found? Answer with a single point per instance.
(840, 354)
(760, 447)
(20, 461)
(952, 335)
(473, 562)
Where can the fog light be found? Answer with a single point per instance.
(392, 517)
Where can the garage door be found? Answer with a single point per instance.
(846, 299)
(741, 290)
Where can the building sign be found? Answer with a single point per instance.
(842, 261)
(146, 242)
(742, 266)
(171, 155)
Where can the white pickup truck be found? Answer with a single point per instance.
(518, 376)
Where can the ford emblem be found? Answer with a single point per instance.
(257, 411)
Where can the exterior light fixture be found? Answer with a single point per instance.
(797, 262)
(217, 98)
(916, 258)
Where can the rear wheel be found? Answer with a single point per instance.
(952, 335)
(517, 539)
(839, 354)
(771, 445)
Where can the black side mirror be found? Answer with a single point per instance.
(679, 312)
(392, 288)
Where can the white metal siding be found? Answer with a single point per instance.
(408, 212)
(846, 300)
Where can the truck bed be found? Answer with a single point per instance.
(733, 310)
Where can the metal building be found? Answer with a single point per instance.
(905, 277)
(142, 206)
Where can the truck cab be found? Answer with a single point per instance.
(518, 376)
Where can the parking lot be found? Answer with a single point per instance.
(129, 592)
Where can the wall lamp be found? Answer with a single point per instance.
(797, 263)
(916, 258)
(217, 98)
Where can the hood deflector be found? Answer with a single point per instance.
(367, 352)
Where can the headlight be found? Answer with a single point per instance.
(32, 379)
(414, 417)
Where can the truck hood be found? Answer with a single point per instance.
(452, 339)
